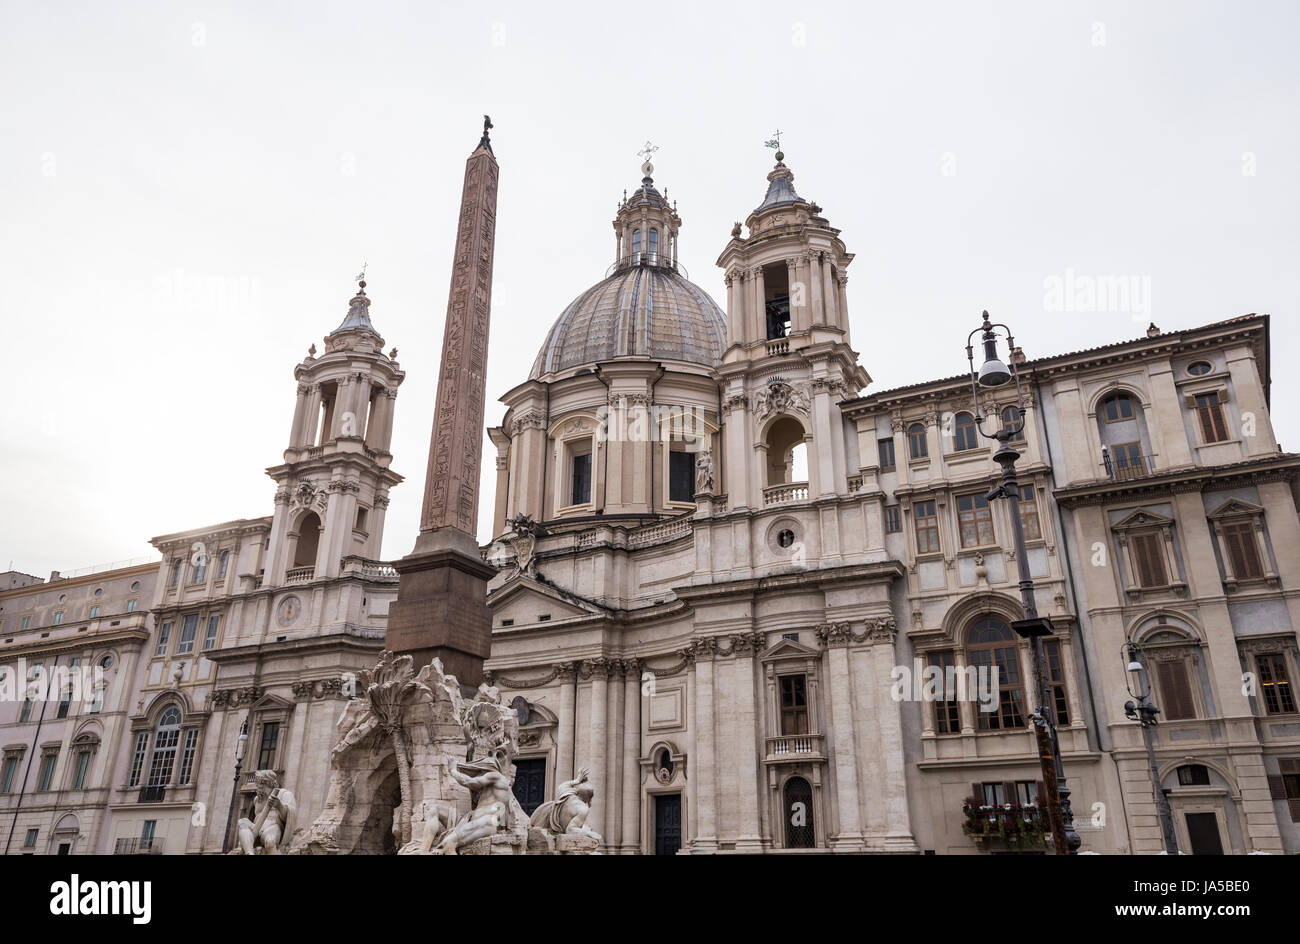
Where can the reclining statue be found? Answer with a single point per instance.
(567, 813)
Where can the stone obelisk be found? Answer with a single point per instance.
(441, 607)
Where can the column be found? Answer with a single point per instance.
(901, 455)
(759, 320)
(311, 418)
(843, 750)
(616, 426)
(703, 765)
(818, 313)
(842, 297)
(631, 837)
(735, 330)
(898, 835)
(831, 295)
(299, 412)
(613, 833)
(749, 829)
(568, 716)
(598, 732)
(798, 313)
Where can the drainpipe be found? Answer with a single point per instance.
(36, 740)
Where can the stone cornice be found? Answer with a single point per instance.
(1283, 468)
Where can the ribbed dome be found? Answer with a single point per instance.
(644, 310)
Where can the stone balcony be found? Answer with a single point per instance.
(785, 494)
(795, 748)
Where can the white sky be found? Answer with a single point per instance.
(152, 151)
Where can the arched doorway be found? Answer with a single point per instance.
(800, 830)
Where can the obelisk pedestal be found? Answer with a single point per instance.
(441, 607)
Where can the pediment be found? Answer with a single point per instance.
(269, 702)
(1142, 519)
(1236, 508)
(523, 599)
(789, 649)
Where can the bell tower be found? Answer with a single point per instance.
(788, 363)
(332, 488)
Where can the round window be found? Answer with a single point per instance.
(1199, 368)
(785, 538)
(99, 591)
(106, 662)
(135, 586)
(63, 598)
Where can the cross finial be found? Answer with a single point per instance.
(775, 143)
(361, 277)
(647, 151)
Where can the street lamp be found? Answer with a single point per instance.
(241, 744)
(1144, 713)
(995, 373)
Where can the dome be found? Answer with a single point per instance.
(641, 310)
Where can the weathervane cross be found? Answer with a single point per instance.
(361, 277)
(648, 151)
(775, 143)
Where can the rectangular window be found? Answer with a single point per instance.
(1056, 680)
(1029, 513)
(363, 516)
(187, 756)
(46, 774)
(1175, 691)
(7, 773)
(147, 830)
(225, 562)
(1148, 559)
(947, 712)
(189, 626)
(130, 605)
(1193, 775)
(164, 756)
(1010, 711)
(163, 633)
(917, 445)
(580, 486)
(1011, 419)
(94, 612)
(1243, 550)
(30, 841)
(1210, 412)
(65, 696)
(176, 572)
(29, 695)
(266, 752)
(927, 528)
(681, 476)
(83, 767)
(886, 450)
(893, 519)
(976, 520)
(794, 704)
(24, 623)
(1027, 792)
(210, 637)
(137, 758)
(1285, 785)
(1275, 684)
(58, 618)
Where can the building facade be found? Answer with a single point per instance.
(726, 570)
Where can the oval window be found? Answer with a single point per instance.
(1199, 368)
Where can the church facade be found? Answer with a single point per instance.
(724, 567)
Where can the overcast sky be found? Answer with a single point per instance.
(187, 191)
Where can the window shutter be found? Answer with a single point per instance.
(977, 793)
(1176, 691)
(1276, 787)
(1009, 794)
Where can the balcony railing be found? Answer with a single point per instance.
(794, 747)
(1128, 468)
(1019, 827)
(781, 494)
(152, 794)
(654, 259)
(133, 846)
(299, 575)
(371, 569)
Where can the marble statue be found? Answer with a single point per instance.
(272, 812)
(704, 472)
(490, 796)
(567, 813)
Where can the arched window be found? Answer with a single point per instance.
(1010, 420)
(654, 245)
(964, 434)
(916, 444)
(176, 571)
(1118, 409)
(200, 569)
(636, 243)
(225, 563)
(799, 829)
(304, 554)
(163, 758)
(990, 644)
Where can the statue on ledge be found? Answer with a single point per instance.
(567, 813)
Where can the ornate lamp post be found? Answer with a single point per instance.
(241, 744)
(992, 374)
(1144, 713)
